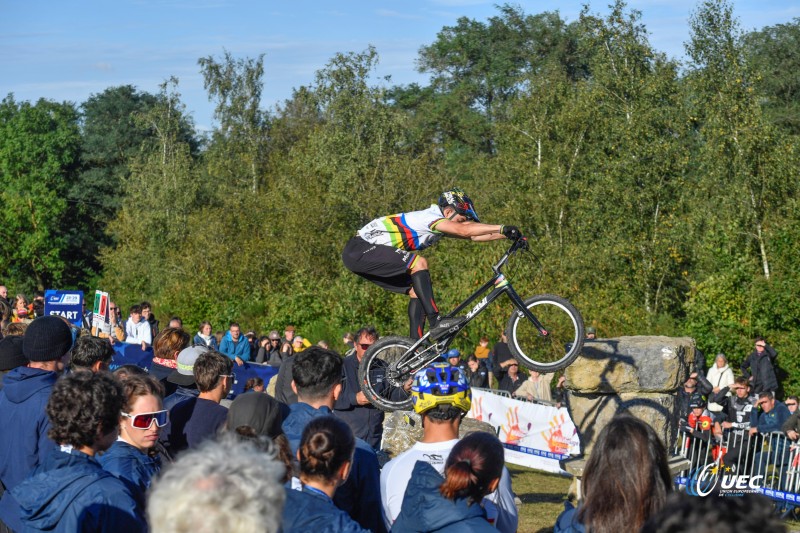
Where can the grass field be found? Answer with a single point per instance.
(542, 497)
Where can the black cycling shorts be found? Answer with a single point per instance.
(383, 265)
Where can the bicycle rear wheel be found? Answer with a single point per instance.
(380, 380)
(559, 347)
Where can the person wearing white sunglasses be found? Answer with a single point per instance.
(133, 457)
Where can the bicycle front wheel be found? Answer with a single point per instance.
(561, 344)
(380, 380)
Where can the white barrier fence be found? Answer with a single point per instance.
(536, 435)
(737, 463)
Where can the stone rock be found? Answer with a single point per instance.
(402, 429)
(631, 364)
(591, 412)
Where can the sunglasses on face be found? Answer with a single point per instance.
(791, 404)
(145, 420)
(365, 346)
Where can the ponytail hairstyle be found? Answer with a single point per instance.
(475, 462)
(327, 443)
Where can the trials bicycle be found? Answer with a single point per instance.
(545, 333)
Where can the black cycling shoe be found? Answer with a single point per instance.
(447, 326)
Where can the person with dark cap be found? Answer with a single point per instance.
(261, 412)
(11, 355)
(255, 416)
(24, 442)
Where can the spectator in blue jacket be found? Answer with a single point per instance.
(452, 504)
(70, 491)
(770, 418)
(234, 345)
(325, 454)
(317, 375)
(131, 457)
(24, 443)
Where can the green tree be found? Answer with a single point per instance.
(776, 52)
(240, 142)
(160, 194)
(39, 158)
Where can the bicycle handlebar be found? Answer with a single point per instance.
(519, 244)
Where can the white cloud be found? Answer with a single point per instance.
(396, 14)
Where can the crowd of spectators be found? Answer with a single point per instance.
(84, 448)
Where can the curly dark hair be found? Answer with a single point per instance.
(89, 350)
(84, 406)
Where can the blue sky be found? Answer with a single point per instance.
(71, 50)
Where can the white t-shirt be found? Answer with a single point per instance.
(396, 474)
(408, 231)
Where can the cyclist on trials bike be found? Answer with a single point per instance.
(383, 252)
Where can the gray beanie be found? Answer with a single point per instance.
(47, 338)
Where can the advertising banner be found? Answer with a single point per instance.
(67, 304)
(534, 435)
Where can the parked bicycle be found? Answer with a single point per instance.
(545, 333)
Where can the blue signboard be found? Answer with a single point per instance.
(68, 304)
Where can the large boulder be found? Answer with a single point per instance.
(402, 429)
(637, 375)
(631, 364)
(591, 412)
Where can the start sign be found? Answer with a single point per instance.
(68, 304)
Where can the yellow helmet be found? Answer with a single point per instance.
(440, 384)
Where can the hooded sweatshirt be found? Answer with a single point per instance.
(71, 492)
(425, 509)
(24, 443)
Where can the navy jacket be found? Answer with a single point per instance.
(129, 464)
(306, 511)
(191, 422)
(71, 492)
(425, 509)
(180, 394)
(366, 421)
(567, 521)
(212, 343)
(240, 348)
(772, 421)
(360, 495)
(24, 443)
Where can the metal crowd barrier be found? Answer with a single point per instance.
(736, 463)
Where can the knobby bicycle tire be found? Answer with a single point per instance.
(382, 392)
(564, 339)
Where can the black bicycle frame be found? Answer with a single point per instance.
(501, 285)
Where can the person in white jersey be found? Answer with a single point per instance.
(383, 252)
(442, 397)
